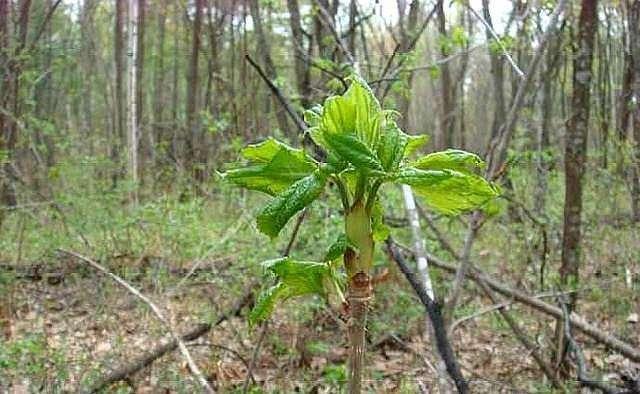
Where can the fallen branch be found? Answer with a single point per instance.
(156, 311)
(437, 322)
(124, 371)
(577, 321)
(522, 337)
(573, 348)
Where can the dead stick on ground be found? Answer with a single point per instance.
(126, 370)
(577, 321)
(522, 337)
(183, 349)
(583, 377)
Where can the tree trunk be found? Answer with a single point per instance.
(193, 143)
(7, 197)
(634, 40)
(159, 88)
(301, 62)
(575, 157)
(265, 53)
(447, 123)
(120, 110)
(497, 72)
(132, 96)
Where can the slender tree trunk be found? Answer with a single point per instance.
(301, 62)
(265, 53)
(447, 123)
(132, 95)
(175, 93)
(139, 89)
(497, 72)
(634, 40)
(193, 143)
(7, 197)
(159, 88)
(575, 156)
(120, 110)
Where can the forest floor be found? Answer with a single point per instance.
(65, 324)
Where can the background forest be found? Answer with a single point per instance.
(117, 118)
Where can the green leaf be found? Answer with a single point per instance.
(275, 167)
(448, 191)
(266, 302)
(294, 278)
(392, 146)
(351, 149)
(368, 112)
(357, 112)
(451, 159)
(301, 277)
(278, 211)
(414, 143)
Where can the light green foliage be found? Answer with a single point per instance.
(274, 167)
(448, 191)
(453, 159)
(365, 148)
(278, 211)
(294, 278)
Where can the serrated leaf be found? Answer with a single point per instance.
(274, 167)
(357, 112)
(392, 146)
(452, 159)
(351, 149)
(448, 191)
(266, 302)
(414, 143)
(278, 211)
(368, 111)
(301, 277)
(294, 278)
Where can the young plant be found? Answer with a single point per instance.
(364, 148)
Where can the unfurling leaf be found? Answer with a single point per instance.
(266, 302)
(294, 278)
(351, 149)
(448, 191)
(450, 159)
(338, 247)
(348, 126)
(278, 211)
(274, 167)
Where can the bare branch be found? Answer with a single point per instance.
(156, 310)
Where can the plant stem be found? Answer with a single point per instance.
(359, 295)
(358, 264)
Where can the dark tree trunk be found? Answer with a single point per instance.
(193, 91)
(497, 72)
(159, 88)
(447, 123)
(634, 40)
(265, 53)
(302, 69)
(576, 146)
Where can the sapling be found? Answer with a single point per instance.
(364, 149)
